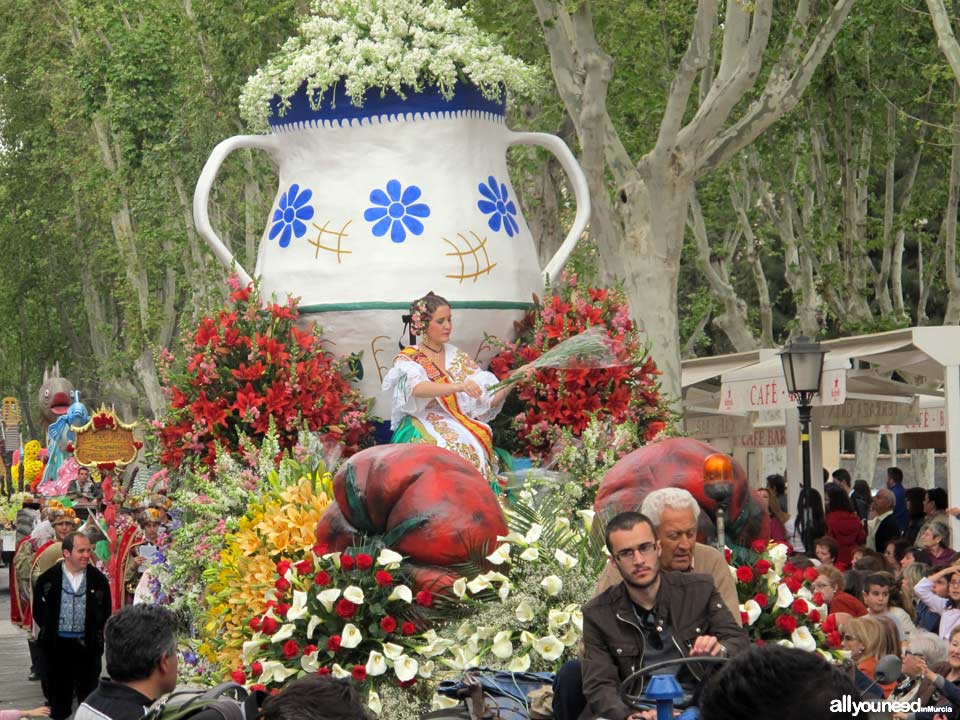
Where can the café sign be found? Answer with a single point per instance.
(770, 393)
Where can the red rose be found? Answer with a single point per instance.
(408, 628)
(793, 584)
(759, 642)
(274, 691)
(255, 624)
(800, 606)
(424, 598)
(727, 555)
(761, 600)
(333, 644)
(388, 624)
(758, 546)
(383, 578)
(309, 649)
(256, 668)
(814, 616)
(269, 625)
(834, 640)
(283, 566)
(789, 569)
(282, 610)
(744, 574)
(744, 618)
(320, 549)
(322, 578)
(291, 649)
(364, 562)
(762, 567)
(346, 609)
(303, 567)
(817, 599)
(359, 673)
(271, 604)
(829, 624)
(798, 575)
(239, 677)
(258, 686)
(787, 623)
(407, 683)
(347, 562)
(323, 671)
(282, 584)
(810, 574)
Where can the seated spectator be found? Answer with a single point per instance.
(829, 584)
(843, 524)
(877, 588)
(944, 679)
(934, 538)
(882, 526)
(894, 553)
(949, 606)
(932, 651)
(922, 615)
(315, 697)
(918, 517)
(915, 555)
(867, 642)
(826, 552)
(742, 688)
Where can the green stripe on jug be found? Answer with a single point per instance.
(454, 305)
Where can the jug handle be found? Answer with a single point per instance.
(581, 193)
(201, 196)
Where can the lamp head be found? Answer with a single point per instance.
(803, 367)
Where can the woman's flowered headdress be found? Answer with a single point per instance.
(419, 317)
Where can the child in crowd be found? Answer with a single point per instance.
(949, 606)
(876, 596)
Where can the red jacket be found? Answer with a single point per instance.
(847, 603)
(845, 527)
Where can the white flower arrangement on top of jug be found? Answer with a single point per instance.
(386, 120)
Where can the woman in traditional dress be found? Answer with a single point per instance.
(439, 394)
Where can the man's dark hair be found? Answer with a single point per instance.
(70, 540)
(843, 475)
(743, 687)
(938, 496)
(136, 637)
(880, 579)
(626, 521)
(315, 697)
(895, 474)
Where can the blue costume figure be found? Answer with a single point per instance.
(60, 434)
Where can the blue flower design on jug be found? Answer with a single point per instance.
(498, 206)
(396, 210)
(288, 219)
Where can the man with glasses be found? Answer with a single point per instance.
(650, 617)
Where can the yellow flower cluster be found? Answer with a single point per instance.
(280, 525)
(32, 464)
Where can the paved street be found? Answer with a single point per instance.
(15, 690)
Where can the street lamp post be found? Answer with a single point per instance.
(802, 369)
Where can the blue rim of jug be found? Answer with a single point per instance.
(454, 305)
(335, 106)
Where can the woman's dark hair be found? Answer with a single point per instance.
(853, 583)
(900, 548)
(430, 302)
(862, 489)
(830, 544)
(777, 483)
(938, 496)
(872, 563)
(817, 525)
(837, 498)
(915, 497)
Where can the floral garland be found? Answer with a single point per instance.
(418, 317)
(248, 366)
(559, 405)
(401, 45)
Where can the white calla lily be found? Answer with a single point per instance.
(785, 643)
(778, 556)
(250, 650)
(576, 619)
(374, 702)
(530, 554)
(803, 592)
(549, 647)
(298, 610)
(552, 584)
(587, 517)
(405, 668)
(392, 650)
(533, 534)
(328, 597)
(284, 633)
(350, 636)
(478, 584)
(312, 625)
(493, 577)
(752, 609)
(784, 597)
(504, 591)
(502, 647)
(442, 702)
(309, 662)
(460, 588)
(803, 639)
(376, 664)
(567, 562)
(524, 612)
(389, 559)
(465, 630)
(562, 523)
(501, 555)
(511, 537)
(354, 595)
(570, 637)
(275, 671)
(401, 592)
(557, 618)
(527, 638)
(338, 672)
(521, 663)
(484, 632)
(426, 669)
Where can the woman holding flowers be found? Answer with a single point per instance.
(439, 395)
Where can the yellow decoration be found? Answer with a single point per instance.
(281, 524)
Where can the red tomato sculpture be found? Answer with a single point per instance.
(678, 462)
(422, 501)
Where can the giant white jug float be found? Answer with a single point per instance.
(381, 203)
